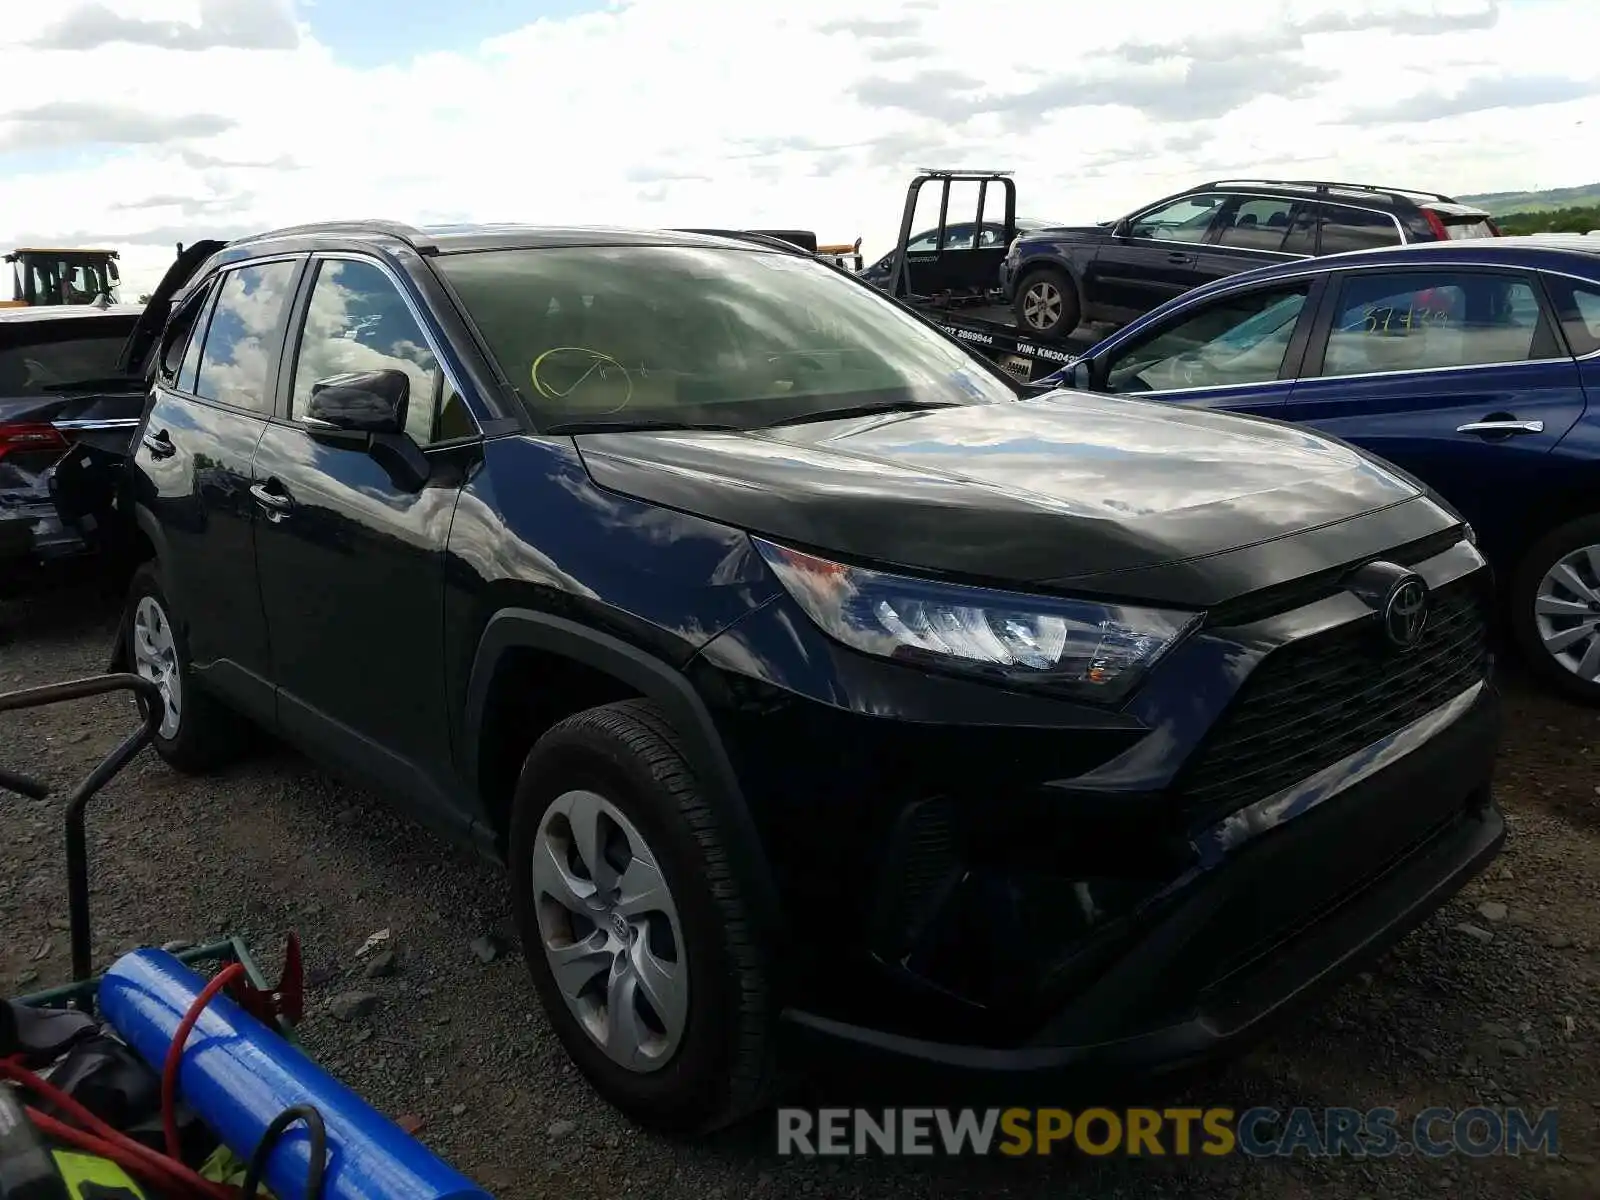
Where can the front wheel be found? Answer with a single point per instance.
(1047, 304)
(1554, 602)
(633, 925)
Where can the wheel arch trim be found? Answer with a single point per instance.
(521, 628)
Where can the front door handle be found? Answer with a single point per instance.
(272, 498)
(159, 444)
(1179, 257)
(1501, 427)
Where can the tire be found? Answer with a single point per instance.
(1046, 304)
(1535, 585)
(706, 1059)
(202, 735)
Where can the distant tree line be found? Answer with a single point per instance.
(1558, 220)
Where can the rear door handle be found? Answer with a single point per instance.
(1501, 427)
(159, 444)
(1179, 257)
(268, 495)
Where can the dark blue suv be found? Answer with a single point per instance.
(807, 679)
(1471, 365)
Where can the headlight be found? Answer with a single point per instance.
(1088, 650)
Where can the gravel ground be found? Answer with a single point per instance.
(1497, 1001)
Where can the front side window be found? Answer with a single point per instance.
(1257, 225)
(1236, 340)
(243, 336)
(624, 334)
(358, 321)
(1183, 220)
(1411, 321)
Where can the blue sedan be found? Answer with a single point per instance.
(1470, 364)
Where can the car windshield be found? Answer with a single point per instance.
(650, 335)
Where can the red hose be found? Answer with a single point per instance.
(99, 1138)
(180, 1037)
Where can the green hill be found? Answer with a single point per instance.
(1505, 203)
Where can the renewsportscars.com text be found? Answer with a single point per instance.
(1178, 1132)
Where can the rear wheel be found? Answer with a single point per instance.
(633, 924)
(1047, 304)
(196, 733)
(1554, 603)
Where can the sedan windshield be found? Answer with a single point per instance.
(596, 336)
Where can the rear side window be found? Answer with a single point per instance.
(1356, 229)
(243, 336)
(1411, 321)
(1257, 225)
(1578, 309)
(43, 362)
(1302, 235)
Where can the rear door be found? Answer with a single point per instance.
(1457, 375)
(1236, 352)
(1250, 233)
(193, 473)
(1154, 255)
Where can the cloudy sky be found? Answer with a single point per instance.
(141, 123)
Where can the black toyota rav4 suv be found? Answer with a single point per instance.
(811, 683)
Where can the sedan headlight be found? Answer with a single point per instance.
(1082, 648)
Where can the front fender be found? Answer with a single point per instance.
(667, 687)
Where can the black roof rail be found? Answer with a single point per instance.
(751, 235)
(410, 234)
(1323, 185)
(963, 172)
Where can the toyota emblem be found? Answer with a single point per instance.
(1405, 612)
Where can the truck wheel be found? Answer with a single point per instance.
(633, 925)
(197, 734)
(1047, 304)
(1554, 609)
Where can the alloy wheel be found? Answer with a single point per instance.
(610, 930)
(155, 657)
(1041, 304)
(1566, 612)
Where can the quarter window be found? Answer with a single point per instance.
(1183, 220)
(1257, 225)
(358, 321)
(243, 336)
(1236, 340)
(1356, 229)
(184, 334)
(1425, 321)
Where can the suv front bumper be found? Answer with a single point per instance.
(1300, 890)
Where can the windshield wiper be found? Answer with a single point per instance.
(641, 427)
(867, 410)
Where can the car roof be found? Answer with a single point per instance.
(1564, 252)
(56, 312)
(460, 238)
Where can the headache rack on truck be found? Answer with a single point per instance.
(954, 281)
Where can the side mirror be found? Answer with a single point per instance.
(1121, 228)
(361, 402)
(1079, 376)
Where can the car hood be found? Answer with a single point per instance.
(1069, 233)
(1066, 490)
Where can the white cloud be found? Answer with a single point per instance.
(221, 119)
